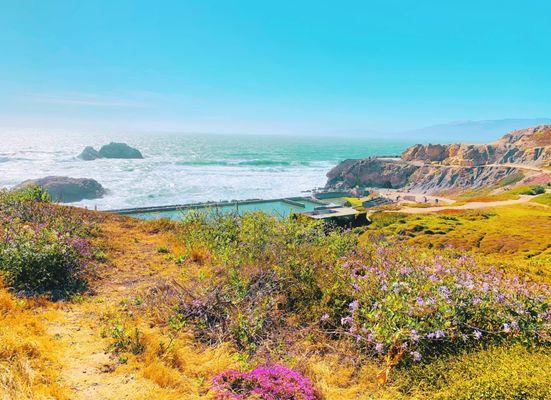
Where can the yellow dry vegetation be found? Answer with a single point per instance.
(515, 237)
(28, 367)
(108, 346)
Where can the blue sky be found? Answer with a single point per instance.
(272, 66)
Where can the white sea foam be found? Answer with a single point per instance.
(183, 168)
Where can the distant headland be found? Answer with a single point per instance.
(521, 156)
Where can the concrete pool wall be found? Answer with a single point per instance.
(279, 207)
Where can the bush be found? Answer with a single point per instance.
(407, 306)
(267, 275)
(43, 261)
(43, 247)
(531, 190)
(272, 382)
(270, 277)
(28, 193)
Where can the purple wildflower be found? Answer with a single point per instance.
(416, 356)
(347, 320)
(354, 305)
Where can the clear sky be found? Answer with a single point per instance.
(272, 66)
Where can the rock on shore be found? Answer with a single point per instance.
(67, 190)
(111, 150)
(435, 167)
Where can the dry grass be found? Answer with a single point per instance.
(515, 237)
(28, 367)
(138, 284)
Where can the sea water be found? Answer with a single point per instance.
(186, 168)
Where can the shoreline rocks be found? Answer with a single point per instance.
(111, 150)
(64, 189)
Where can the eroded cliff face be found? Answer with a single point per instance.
(530, 146)
(435, 167)
(431, 179)
(370, 172)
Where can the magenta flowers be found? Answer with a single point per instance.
(268, 382)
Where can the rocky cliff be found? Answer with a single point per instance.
(435, 167)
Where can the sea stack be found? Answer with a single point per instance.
(111, 150)
(119, 150)
(89, 154)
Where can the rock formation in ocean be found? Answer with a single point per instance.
(67, 190)
(89, 154)
(111, 150)
(119, 150)
(436, 167)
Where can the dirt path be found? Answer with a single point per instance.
(394, 194)
(88, 370)
(518, 166)
(466, 206)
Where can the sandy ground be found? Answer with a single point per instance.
(467, 206)
(88, 370)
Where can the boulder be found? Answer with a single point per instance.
(119, 150)
(89, 153)
(67, 190)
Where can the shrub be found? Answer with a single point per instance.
(530, 190)
(266, 278)
(408, 306)
(43, 260)
(43, 247)
(269, 382)
(28, 193)
(265, 272)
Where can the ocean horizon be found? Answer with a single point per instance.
(186, 168)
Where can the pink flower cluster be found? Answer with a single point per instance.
(267, 382)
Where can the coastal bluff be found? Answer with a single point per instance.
(523, 154)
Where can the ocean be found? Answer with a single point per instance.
(186, 168)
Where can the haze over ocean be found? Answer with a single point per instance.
(183, 168)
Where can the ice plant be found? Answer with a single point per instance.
(268, 382)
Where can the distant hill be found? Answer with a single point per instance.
(473, 131)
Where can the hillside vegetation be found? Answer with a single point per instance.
(243, 307)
